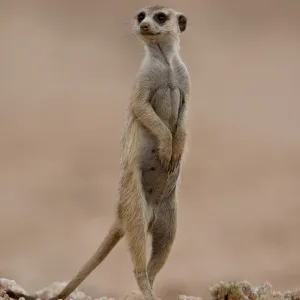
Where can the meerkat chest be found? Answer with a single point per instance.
(166, 103)
(168, 96)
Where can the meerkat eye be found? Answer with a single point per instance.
(141, 16)
(161, 18)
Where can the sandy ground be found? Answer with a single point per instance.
(66, 69)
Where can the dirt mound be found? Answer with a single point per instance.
(230, 290)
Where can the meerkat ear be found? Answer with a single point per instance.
(182, 21)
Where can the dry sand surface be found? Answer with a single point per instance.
(66, 69)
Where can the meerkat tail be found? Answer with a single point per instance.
(112, 238)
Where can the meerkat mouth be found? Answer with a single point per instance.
(149, 33)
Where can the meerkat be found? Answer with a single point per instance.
(153, 144)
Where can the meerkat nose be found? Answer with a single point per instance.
(145, 26)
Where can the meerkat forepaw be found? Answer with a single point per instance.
(165, 157)
(165, 162)
(165, 152)
(174, 163)
(175, 159)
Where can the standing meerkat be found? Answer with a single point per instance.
(153, 144)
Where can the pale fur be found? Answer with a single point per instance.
(153, 143)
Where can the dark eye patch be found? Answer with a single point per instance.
(141, 16)
(160, 18)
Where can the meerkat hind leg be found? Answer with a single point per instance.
(136, 238)
(163, 235)
(135, 225)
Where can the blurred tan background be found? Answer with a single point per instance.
(66, 70)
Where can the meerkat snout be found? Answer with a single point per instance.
(144, 27)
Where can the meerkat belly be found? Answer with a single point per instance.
(156, 182)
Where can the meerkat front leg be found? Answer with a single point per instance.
(144, 112)
(163, 236)
(180, 135)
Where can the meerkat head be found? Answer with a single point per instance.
(154, 24)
